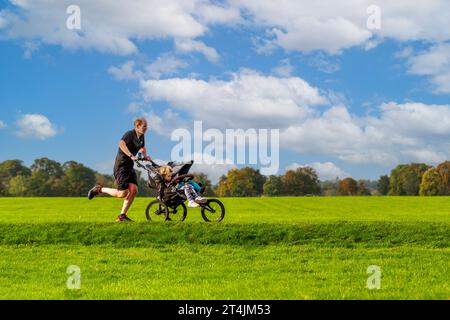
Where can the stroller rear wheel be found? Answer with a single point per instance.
(157, 211)
(213, 211)
(178, 212)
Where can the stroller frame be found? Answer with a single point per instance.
(171, 199)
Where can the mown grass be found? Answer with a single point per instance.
(267, 248)
(222, 272)
(288, 210)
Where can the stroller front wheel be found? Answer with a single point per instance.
(213, 211)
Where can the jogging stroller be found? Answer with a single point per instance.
(169, 204)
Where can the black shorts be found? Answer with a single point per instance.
(125, 176)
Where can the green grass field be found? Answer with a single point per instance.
(266, 248)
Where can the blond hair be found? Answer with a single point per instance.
(166, 172)
(139, 121)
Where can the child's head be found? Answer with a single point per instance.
(166, 173)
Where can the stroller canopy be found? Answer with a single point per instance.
(182, 168)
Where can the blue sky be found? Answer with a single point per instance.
(353, 100)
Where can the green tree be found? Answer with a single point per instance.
(245, 182)
(432, 184)
(330, 187)
(10, 169)
(301, 181)
(444, 171)
(49, 168)
(383, 185)
(46, 178)
(221, 189)
(406, 179)
(18, 186)
(362, 188)
(348, 187)
(77, 179)
(273, 186)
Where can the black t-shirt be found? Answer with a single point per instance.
(134, 144)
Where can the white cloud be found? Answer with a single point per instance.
(164, 65)
(404, 53)
(435, 63)
(299, 25)
(216, 14)
(35, 126)
(248, 99)
(426, 156)
(2, 124)
(256, 101)
(284, 69)
(346, 34)
(325, 171)
(134, 107)
(402, 133)
(113, 26)
(3, 19)
(302, 25)
(189, 45)
(333, 132)
(125, 72)
(164, 123)
(252, 100)
(323, 64)
(416, 120)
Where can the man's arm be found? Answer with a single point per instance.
(124, 148)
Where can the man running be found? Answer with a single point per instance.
(132, 142)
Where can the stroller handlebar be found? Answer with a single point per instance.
(139, 164)
(155, 165)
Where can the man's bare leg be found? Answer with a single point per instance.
(115, 193)
(132, 191)
(129, 195)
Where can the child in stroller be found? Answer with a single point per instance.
(191, 189)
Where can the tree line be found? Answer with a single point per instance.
(46, 177)
(49, 178)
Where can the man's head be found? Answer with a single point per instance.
(140, 125)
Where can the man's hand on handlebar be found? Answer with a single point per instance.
(141, 158)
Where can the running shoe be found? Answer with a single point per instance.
(123, 218)
(95, 191)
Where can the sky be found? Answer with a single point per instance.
(353, 87)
